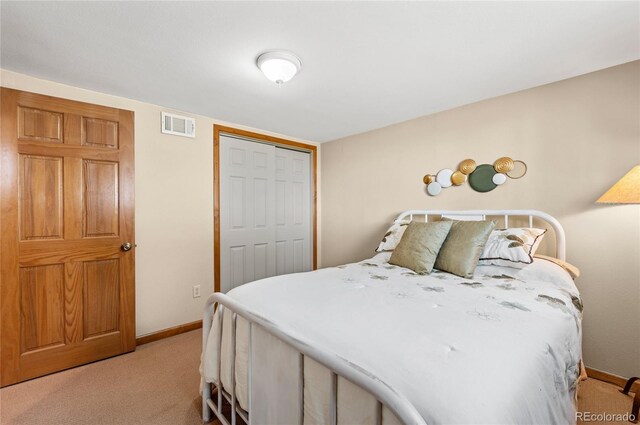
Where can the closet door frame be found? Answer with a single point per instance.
(219, 130)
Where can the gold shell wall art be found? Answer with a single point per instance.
(481, 178)
(467, 166)
(428, 178)
(458, 178)
(503, 165)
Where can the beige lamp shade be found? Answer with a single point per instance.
(626, 191)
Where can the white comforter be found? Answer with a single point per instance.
(501, 348)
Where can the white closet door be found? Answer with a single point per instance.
(293, 212)
(247, 218)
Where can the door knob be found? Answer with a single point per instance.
(126, 246)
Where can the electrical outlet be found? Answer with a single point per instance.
(196, 291)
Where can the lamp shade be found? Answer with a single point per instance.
(625, 191)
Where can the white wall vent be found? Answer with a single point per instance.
(178, 125)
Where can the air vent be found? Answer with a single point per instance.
(178, 125)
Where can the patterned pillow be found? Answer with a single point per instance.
(393, 236)
(512, 247)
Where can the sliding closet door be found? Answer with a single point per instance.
(247, 217)
(293, 212)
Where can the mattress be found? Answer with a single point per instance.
(501, 348)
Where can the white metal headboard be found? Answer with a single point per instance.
(561, 247)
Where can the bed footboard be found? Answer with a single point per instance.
(338, 366)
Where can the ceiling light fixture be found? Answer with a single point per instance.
(279, 66)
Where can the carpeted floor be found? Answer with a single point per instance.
(158, 385)
(599, 397)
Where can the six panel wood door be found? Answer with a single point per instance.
(66, 197)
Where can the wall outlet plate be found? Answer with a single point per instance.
(196, 291)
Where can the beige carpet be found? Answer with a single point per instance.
(155, 385)
(158, 385)
(600, 397)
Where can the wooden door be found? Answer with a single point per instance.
(247, 218)
(293, 212)
(66, 198)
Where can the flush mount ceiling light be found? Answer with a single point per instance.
(279, 66)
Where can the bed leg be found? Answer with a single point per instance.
(234, 318)
(206, 328)
(219, 383)
(206, 395)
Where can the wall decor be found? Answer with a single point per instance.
(458, 177)
(499, 178)
(482, 178)
(434, 188)
(503, 165)
(519, 170)
(467, 166)
(444, 177)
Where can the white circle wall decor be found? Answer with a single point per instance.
(434, 188)
(499, 178)
(444, 177)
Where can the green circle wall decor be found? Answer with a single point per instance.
(481, 178)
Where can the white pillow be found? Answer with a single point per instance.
(393, 236)
(512, 247)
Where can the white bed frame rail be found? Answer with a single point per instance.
(561, 247)
(385, 394)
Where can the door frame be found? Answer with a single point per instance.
(270, 140)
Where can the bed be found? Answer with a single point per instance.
(371, 342)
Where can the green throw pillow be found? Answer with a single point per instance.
(461, 250)
(419, 246)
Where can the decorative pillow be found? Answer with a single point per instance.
(512, 247)
(464, 245)
(393, 236)
(419, 246)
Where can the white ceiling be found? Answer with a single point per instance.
(365, 65)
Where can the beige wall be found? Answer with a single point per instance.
(174, 207)
(578, 137)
